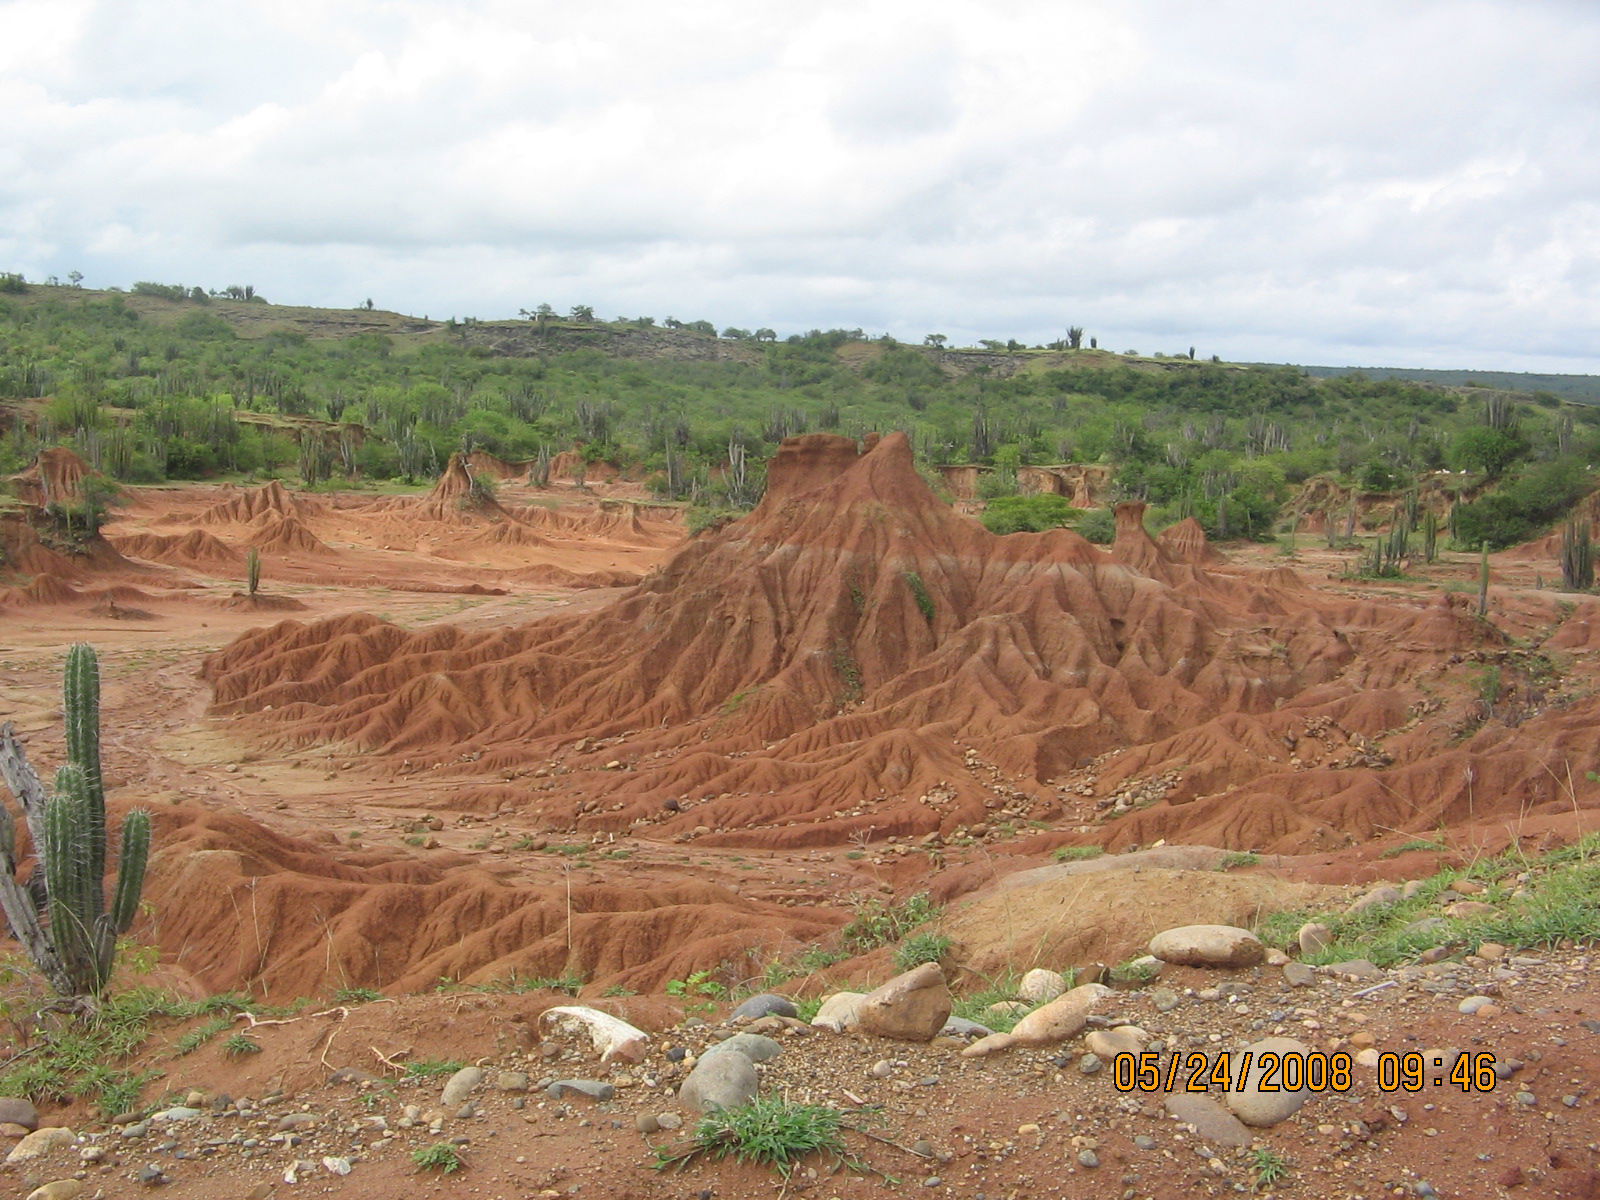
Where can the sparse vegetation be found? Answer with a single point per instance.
(770, 1131)
(441, 1156)
(921, 948)
(1076, 853)
(241, 1044)
(877, 923)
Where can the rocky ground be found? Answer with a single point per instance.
(539, 1114)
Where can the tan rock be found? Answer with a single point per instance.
(1208, 946)
(1314, 937)
(1062, 1018)
(61, 1189)
(1467, 910)
(1124, 1039)
(41, 1142)
(839, 1011)
(912, 1006)
(992, 1044)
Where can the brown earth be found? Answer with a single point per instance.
(540, 734)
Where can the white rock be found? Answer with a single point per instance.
(612, 1036)
(839, 1012)
(1040, 985)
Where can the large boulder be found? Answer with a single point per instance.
(1208, 946)
(912, 1007)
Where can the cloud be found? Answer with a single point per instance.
(1406, 184)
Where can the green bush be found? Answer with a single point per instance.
(1098, 525)
(1028, 514)
(1522, 508)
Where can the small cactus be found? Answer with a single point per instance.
(1577, 557)
(1483, 582)
(71, 935)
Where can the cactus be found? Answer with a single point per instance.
(1430, 536)
(1483, 582)
(252, 570)
(76, 946)
(1577, 557)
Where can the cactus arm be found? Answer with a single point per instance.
(130, 871)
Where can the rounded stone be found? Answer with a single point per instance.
(1262, 1108)
(1208, 946)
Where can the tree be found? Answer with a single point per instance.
(582, 313)
(766, 335)
(1074, 337)
(75, 278)
(936, 340)
(368, 305)
(734, 334)
(1489, 450)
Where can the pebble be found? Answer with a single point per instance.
(1473, 1003)
(1088, 1158)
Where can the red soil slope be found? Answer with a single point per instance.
(854, 657)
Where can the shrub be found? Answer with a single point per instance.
(1028, 514)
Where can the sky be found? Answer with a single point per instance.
(1396, 183)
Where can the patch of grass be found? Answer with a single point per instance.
(770, 1131)
(241, 1044)
(919, 592)
(616, 989)
(1415, 844)
(1135, 971)
(1076, 853)
(357, 995)
(921, 948)
(974, 1005)
(877, 923)
(697, 985)
(441, 1156)
(1268, 1166)
(1561, 902)
(1239, 858)
(428, 1068)
(200, 1035)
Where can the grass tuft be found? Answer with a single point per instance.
(769, 1131)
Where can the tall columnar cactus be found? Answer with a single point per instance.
(1483, 582)
(1430, 536)
(1577, 557)
(66, 925)
(252, 570)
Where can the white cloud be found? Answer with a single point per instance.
(1407, 184)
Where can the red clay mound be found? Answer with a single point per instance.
(454, 497)
(288, 535)
(1186, 542)
(854, 656)
(56, 477)
(197, 548)
(234, 898)
(270, 500)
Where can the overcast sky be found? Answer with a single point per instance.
(1385, 183)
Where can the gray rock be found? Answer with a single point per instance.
(459, 1086)
(752, 1045)
(1208, 946)
(176, 1113)
(1261, 1108)
(1298, 975)
(768, 1004)
(719, 1081)
(960, 1027)
(512, 1081)
(1088, 1158)
(1378, 897)
(16, 1111)
(1355, 968)
(1165, 999)
(589, 1089)
(1208, 1119)
(669, 1120)
(1473, 1003)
